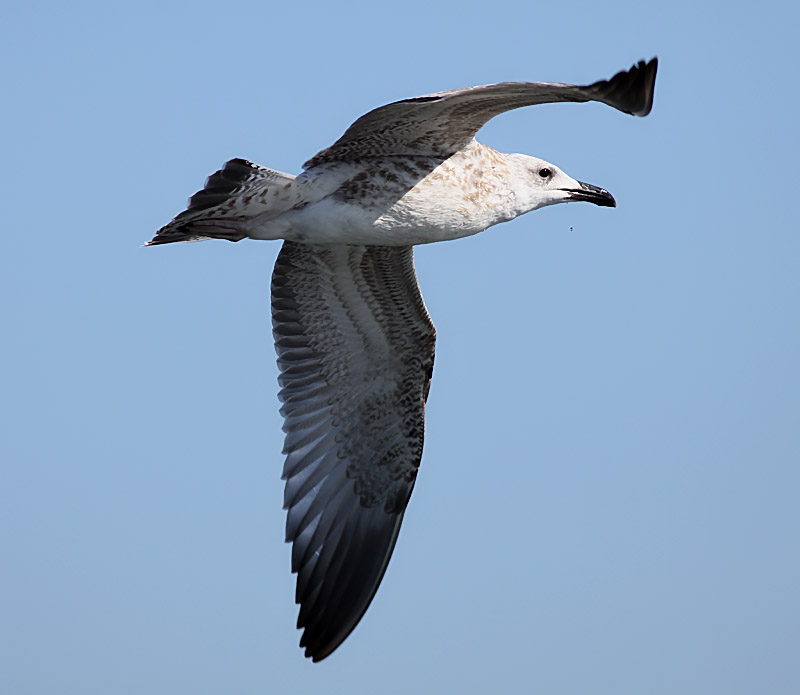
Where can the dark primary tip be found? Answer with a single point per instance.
(592, 194)
(630, 91)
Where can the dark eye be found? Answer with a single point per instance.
(545, 173)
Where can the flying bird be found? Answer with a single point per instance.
(354, 340)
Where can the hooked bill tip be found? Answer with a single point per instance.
(592, 194)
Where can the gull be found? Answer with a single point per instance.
(354, 340)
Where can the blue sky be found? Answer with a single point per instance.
(608, 496)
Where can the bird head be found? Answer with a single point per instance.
(539, 183)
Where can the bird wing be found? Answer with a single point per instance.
(443, 123)
(355, 350)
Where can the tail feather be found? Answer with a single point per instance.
(221, 210)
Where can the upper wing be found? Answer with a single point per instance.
(355, 349)
(442, 123)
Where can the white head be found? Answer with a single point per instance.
(538, 183)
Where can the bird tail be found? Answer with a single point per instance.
(231, 198)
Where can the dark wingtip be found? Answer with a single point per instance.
(648, 79)
(630, 91)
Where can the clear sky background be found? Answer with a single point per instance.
(608, 499)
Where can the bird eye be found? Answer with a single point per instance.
(545, 173)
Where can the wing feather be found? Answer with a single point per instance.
(443, 123)
(355, 349)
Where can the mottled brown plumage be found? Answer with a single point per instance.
(355, 343)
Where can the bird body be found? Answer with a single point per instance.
(392, 201)
(354, 340)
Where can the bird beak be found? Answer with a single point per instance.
(591, 194)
